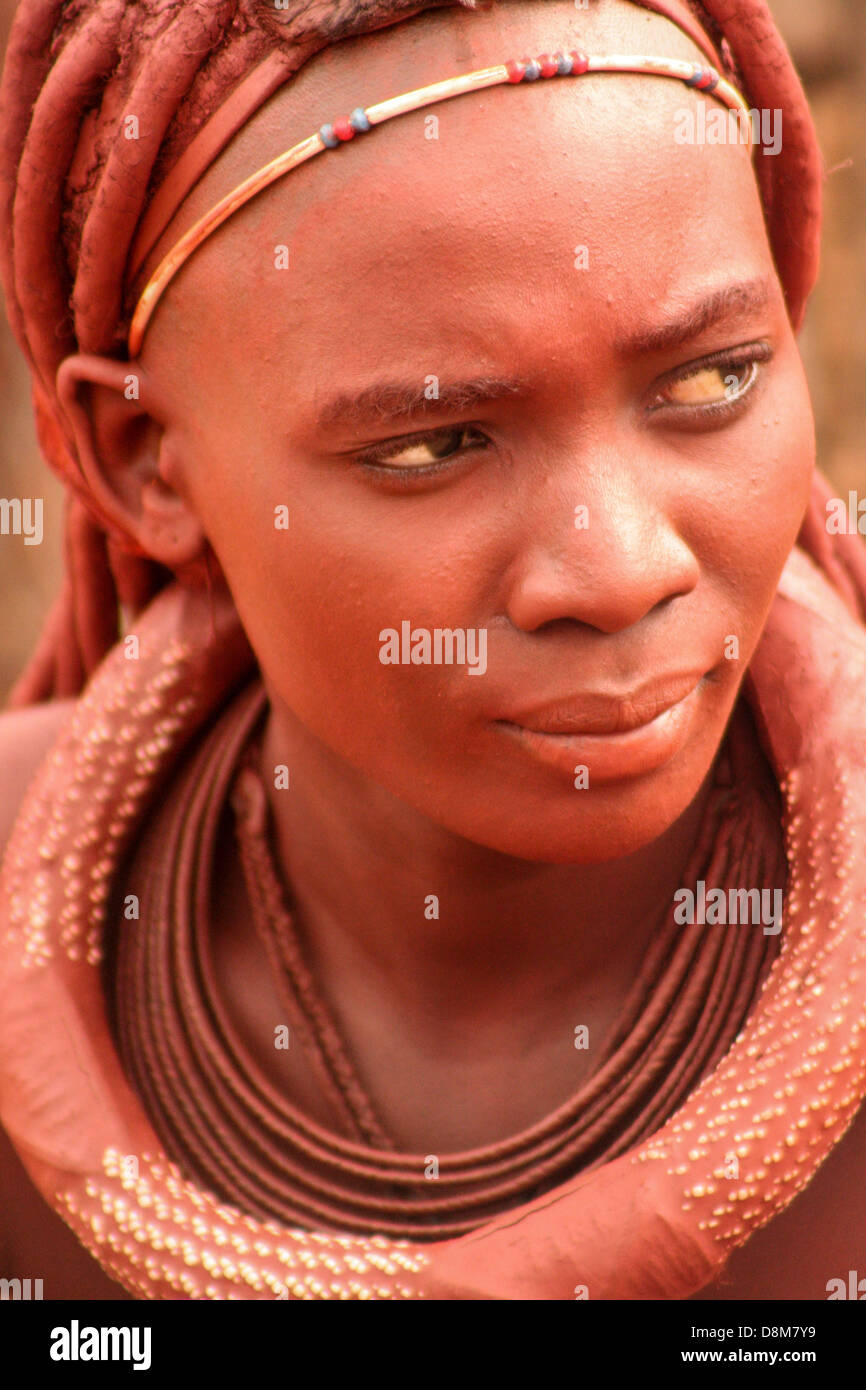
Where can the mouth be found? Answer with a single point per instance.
(612, 737)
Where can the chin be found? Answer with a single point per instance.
(610, 823)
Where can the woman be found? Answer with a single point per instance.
(503, 625)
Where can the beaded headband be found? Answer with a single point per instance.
(362, 120)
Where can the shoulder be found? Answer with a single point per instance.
(26, 735)
(36, 1244)
(805, 584)
(33, 1239)
(815, 1245)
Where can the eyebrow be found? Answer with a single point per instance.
(731, 302)
(385, 401)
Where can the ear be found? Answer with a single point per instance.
(126, 459)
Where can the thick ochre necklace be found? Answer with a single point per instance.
(226, 1126)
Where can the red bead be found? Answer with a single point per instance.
(343, 129)
(549, 66)
(580, 61)
(515, 70)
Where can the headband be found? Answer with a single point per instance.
(260, 83)
(361, 121)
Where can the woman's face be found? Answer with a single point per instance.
(523, 370)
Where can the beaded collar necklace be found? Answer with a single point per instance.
(362, 120)
(229, 1128)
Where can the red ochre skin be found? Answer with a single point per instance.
(456, 258)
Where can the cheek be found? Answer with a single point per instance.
(315, 595)
(760, 499)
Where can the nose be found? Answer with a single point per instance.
(603, 551)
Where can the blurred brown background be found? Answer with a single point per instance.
(828, 41)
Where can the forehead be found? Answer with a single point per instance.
(478, 200)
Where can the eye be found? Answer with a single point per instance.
(714, 387)
(712, 384)
(421, 454)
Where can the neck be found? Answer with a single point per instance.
(394, 904)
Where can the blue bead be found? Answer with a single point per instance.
(695, 77)
(533, 71)
(359, 120)
(564, 64)
(327, 134)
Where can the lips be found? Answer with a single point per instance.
(612, 738)
(596, 713)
